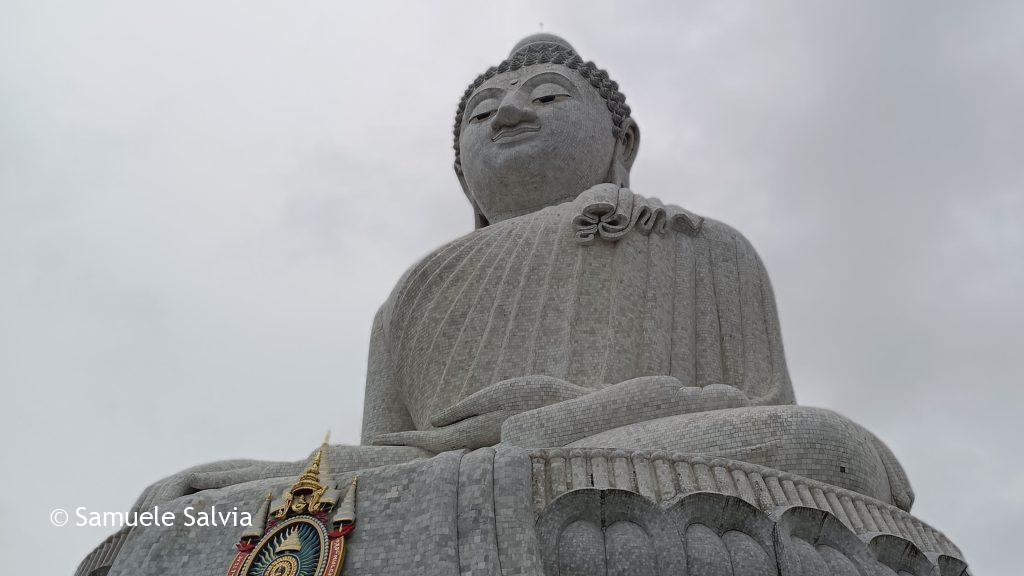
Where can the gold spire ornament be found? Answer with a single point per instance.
(304, 531)
(304, 496)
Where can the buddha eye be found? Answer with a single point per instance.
(483, 110)
(482, 116)
(550, 98)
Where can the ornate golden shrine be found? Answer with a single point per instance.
(301, 533)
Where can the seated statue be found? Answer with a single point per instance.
(591, 381)
(577, 314)
(580, 313)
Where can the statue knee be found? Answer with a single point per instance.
(831, 448)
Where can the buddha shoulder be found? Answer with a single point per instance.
(602, 214)
(608, 212)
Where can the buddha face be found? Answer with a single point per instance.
(534, 137)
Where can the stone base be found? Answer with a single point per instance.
(507, 510)
(662, 477)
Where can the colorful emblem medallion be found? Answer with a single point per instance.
(301, 533)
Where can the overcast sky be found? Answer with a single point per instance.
(202, 204)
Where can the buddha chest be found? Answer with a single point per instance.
(526, 297)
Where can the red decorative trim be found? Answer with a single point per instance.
(244, 546)
(236, 566)
(342, 532)
(335, 556)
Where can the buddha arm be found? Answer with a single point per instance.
(765, 375)
(383, 409)
(636, 400)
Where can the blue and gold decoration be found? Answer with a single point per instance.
(301, 533)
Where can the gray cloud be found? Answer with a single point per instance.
(202, 204)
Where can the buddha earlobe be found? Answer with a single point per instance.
(628, 142)
(626, 146)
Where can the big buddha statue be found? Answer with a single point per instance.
(591, 381)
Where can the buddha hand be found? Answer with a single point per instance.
(202, 477)
(475, 421)
(628, 402)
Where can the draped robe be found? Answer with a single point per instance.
(602, 289)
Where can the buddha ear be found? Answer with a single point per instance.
(626, 146)
(628, 143)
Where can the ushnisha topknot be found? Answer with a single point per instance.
(546, 48)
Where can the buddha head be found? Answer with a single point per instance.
(539, 129)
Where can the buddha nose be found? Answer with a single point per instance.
(512, 113)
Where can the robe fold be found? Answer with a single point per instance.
(608, 287)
